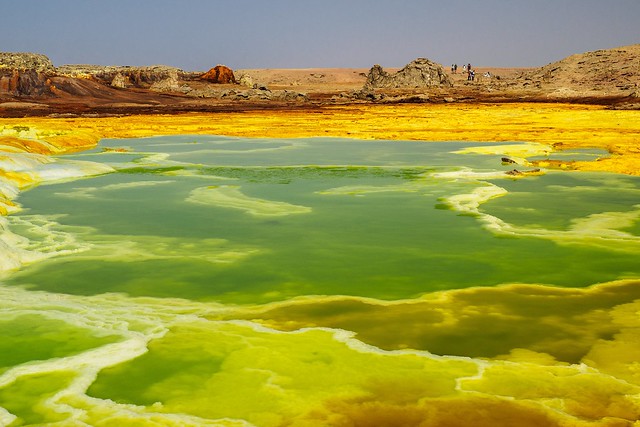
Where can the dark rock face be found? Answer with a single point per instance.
(419, 73)
(25, 74)
(219, 74)
(24, 83)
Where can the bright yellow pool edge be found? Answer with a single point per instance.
(561, 126)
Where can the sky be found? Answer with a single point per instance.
(196, 35)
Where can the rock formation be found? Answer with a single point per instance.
(25, 74)
(251, 94)
(245, 79)
(420, 73)
(219, 74)
(611, 72)
(26, 61)
(123, 76)
(170, 84)
(120, 81)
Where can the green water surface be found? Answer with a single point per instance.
(376, 222)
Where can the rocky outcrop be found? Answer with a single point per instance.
(34, 75)
(219, 74)
(26, 61)
(170, 84)
(364, 94)
(258, 93)
(120, 81)
(24, 83)
(244, 79)
(124, 76)
(611, 72)
(25, 74)
(420, 73)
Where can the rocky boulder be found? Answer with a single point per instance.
(219, 74)
(420, 73)
(244, 79)
(119, 81)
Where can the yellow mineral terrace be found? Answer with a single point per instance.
(561, 126)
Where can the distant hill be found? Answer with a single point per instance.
(610, 72)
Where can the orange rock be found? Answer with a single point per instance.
(9, 82)
(23, 82)
(219, 74)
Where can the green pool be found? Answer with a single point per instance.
(210, 280)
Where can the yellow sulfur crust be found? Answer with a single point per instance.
(561, 126)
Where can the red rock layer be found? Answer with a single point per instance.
(219, 74)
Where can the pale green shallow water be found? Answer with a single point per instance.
(374, 222)
(165, 251)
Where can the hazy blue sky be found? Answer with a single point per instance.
(198, 34)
